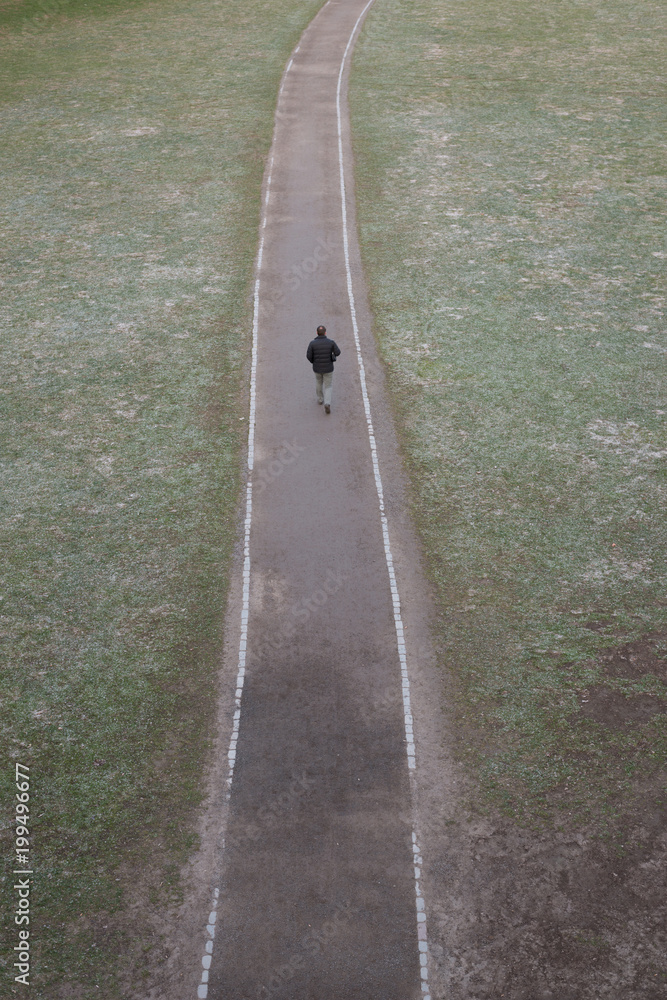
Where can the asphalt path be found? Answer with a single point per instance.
(317, 891)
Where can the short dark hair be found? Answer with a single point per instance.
(321, 330)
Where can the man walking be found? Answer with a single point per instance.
(322, 352)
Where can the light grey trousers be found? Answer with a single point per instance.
(323, 387)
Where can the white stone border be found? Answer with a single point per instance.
(398, 621)
(202, 989)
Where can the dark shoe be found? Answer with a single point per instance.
(327, 408)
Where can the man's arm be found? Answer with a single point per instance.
(336, 348)
(309, 352)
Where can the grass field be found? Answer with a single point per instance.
(511, 189)
(133, 147)
(512, 220)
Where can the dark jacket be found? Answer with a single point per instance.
(322, 352)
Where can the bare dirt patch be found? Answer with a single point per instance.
(558, 914)
(637, 659)
(616, 710)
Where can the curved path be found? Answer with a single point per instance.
(319, 897)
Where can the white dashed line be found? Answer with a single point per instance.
(400, 641)
(202, 989)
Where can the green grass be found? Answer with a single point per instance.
(511, 209)
(133, 148)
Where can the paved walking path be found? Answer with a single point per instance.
(317, 897)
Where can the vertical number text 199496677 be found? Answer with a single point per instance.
(23, 871)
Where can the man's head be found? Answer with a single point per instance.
(321, 330)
